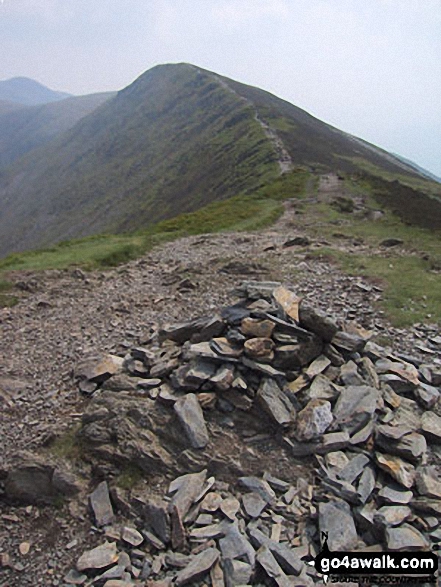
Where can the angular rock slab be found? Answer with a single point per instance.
(188, 488)
(98, 558)
(336, 519)
(101, 505)
(198, 567)
(192, 420)
(398, 469)
(314, 420)
(405, 537)
(355, 406)
(273, 401)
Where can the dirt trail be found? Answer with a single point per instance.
(65, 316)
(283, 157)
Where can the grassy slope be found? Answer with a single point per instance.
(410, 275)
(172, 142)
(24, 128)
(242, 212)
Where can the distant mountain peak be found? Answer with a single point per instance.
(29, 92)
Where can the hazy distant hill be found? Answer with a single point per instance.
(24, 90)
(176, 139)
(6, 107)
(23, 128)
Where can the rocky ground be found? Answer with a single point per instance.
(65, 317)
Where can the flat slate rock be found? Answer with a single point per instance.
(253, 504)
(98, 558)
(398, 469)
(405, 537)
(198, 567)
(188, 488)
(101, 505)
(259, 486)
(273, 401)
(192, 420)
(336, 519)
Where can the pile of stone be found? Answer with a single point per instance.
(366, 422)
(200, 531)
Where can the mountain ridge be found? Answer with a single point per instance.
(29, 92)
(179, 137)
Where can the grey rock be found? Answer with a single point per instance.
(336, 519)
(399, 384)
(31, 481)
(314, 420)
(203, 329)
(427, 395)
(405, 537)
(253, 504)
(318, 322)
(98, 558)
(354, 468)
(285, 556)
(223, 378)
(209, 532)
(428, 484)
(73, 577)
(116, 572)
(322, 388)
(431, 426)
(333, 441)
(355, 406)
(192, 420)
(199, 371)
(398, 469)
(317, 366)
(348, 342)
(349, 374)
(395, 495)
(235, 545)
(237, 573)
(187, 490)
(262, 368)
(273, 401)
(101, 505)
(366, 484)
(135, 536)
(393, 515)
(271, 567)
(198, 567)
(258, 486)
(132, 536)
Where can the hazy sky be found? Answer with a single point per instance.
(369, 67)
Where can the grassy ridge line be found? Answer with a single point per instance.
(241, 213)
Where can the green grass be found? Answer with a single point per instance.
(68, 445)
(240, 213)
(411, 290)
(129, 477)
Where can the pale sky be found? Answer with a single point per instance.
(369, 67)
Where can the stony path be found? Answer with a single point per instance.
(66, 316)
(70, 314)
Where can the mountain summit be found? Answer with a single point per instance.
(29, 92)
(176, 139)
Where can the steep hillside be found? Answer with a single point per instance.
(25, 128)
(24, 90)
(176, 139)
(6, 107)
